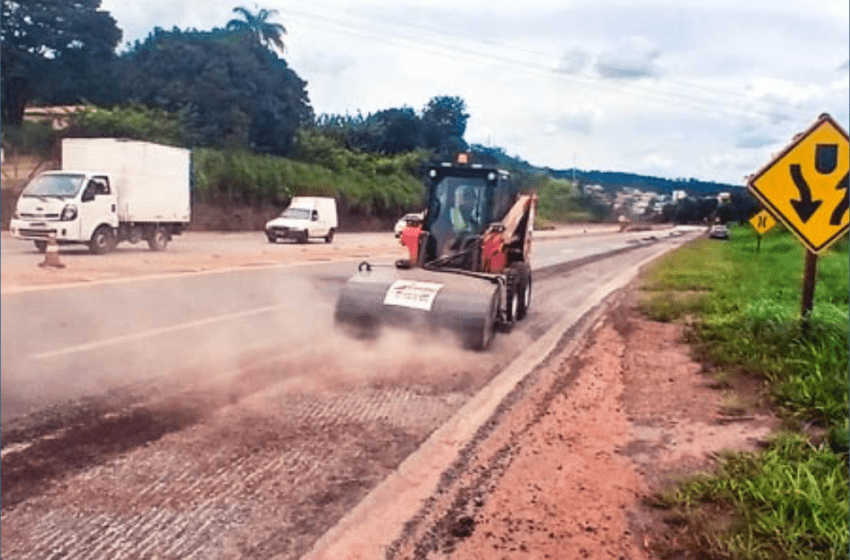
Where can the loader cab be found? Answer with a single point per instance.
(463, 200)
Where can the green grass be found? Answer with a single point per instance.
(790, 502)
(743, 312)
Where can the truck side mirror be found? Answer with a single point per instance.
(315, 217)
(88, 194)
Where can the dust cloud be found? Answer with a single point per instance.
(316, 356)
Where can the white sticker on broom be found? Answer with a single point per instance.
(409, 293)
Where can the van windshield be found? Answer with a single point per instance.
(61, 186)
(296, 213)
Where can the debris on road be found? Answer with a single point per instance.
(565, 472)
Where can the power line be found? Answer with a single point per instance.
(643, 90)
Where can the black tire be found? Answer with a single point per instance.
(158, 239)
(41, 246)
(482, 339)
(303, 237)
(519, 276)
(272, 238)
(525, 301)
(512, 297)
(102, 240)
(330, 236)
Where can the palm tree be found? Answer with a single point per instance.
(257, 25)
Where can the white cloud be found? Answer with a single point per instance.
(634, 57)
(578, 119)
(783, 91)
(326, 63)
(573, 61)
(656, 163)
(756, 139)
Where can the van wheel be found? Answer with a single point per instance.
(158, 239)
(102, 240)
(303, 237)
(41, 246)
(330, 236)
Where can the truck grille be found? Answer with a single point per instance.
(45, 233)
(30, 216)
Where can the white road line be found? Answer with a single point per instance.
(14, 290)
(154, 332)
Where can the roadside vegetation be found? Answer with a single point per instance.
(742, 308)
(324, 161)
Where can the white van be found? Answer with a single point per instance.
(306, 217)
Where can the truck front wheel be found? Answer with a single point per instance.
(158, 239)
(41, 246)
(102, 240)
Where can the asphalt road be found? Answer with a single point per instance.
(68, 342)
(282, 425)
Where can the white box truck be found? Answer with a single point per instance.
(108, 190)
(306, 217)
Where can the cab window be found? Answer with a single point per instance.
(98, 186)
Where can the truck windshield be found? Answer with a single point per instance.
(54, 185)
(296, 213)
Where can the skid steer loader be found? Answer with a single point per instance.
(468, 268)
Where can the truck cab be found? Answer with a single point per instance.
(70, 205)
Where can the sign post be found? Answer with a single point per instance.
(806, 186)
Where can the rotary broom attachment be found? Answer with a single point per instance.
(418, 299)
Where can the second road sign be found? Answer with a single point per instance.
(762, 222)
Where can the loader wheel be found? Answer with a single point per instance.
(525, 301)
(519, 282)
(512, 298)
(481, 340)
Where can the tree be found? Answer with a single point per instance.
(228, 93)
(257, 26)
(399, 130)
(54, 51)
(444, 122)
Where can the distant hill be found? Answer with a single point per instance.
(615, 180)
(609, 180)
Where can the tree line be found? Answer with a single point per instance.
(227, 87)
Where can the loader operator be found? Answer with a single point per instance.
(463, 212)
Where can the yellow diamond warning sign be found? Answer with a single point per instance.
(806, 185)
(762, 222)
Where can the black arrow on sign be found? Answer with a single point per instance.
(805, 207)
(843, 206)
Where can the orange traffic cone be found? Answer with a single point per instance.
(51, 254)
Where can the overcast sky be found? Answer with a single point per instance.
(708, 89)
